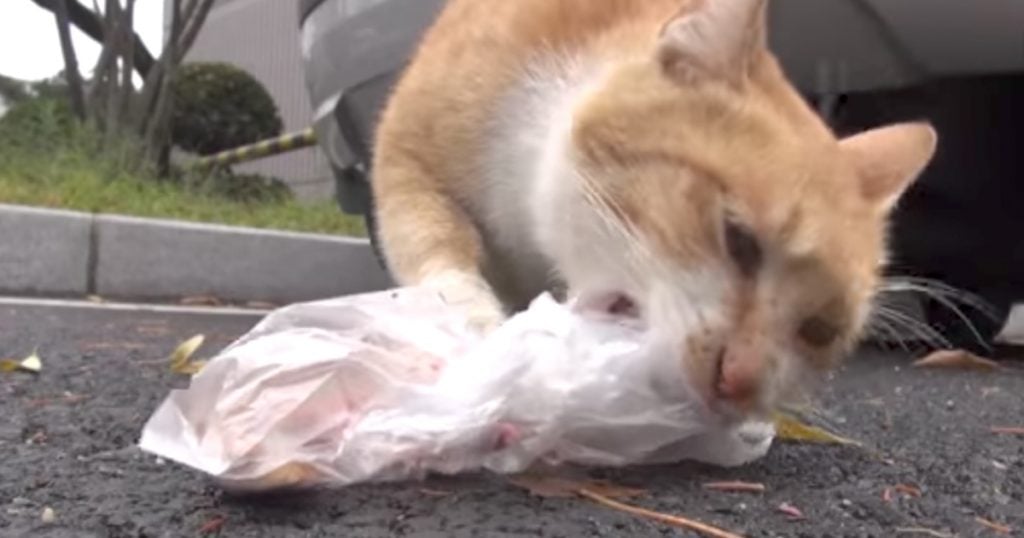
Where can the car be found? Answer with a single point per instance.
(860, 63)
(353, 53)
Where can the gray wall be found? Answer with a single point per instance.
(262, 37)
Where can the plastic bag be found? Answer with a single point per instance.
(392, 385)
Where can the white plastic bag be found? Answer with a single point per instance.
(392, 385)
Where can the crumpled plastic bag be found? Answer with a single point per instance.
(392, 385)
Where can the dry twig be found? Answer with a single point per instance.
(922, 530)
(792, 512)
(736, 485)
(674, 521)
(992, 525)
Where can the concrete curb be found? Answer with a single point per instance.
(47, 252)
(61, 253)
(44, 252)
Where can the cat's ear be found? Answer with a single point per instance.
(720, 39)
(889, 159)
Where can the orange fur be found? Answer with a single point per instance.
(689, 122)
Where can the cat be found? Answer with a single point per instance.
(651, 158)
(955, 236)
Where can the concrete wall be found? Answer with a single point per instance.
(262, 37)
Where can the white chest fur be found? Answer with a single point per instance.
(526, 181)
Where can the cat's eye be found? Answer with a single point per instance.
(743, 248)
(818, 332)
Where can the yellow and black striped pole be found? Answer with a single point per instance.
(259, 150)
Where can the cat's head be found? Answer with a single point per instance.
(721, 208)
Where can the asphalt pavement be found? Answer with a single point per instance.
(70, 467)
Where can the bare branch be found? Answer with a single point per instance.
(192, 25)
(128, 59)
(71, 74)
(116, 26)
(154, 82)
(91, 24)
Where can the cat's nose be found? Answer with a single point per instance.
(740, 374)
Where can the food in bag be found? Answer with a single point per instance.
(393, 385)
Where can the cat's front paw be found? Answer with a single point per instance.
(472, 296)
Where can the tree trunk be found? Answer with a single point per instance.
(154, 123)
(128, 59)
(116, 25)
(195, 18)
(115, 106)
(90, 23)
(157, 100)
(67, 48)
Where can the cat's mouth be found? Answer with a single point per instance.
(727, 405)
(623, 305)
(616, 304)
(718, 400)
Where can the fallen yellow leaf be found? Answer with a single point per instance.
(181, 358)
(789, 428)
(32, 363)
(956, 358)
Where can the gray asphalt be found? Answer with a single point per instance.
(67, 439)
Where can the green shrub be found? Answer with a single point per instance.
(218, 107)
(245, 188)
(37, 124)
(13, 90)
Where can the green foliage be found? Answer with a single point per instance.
(219, 107)
(244, 188)
(48, 160)
(38, 119)
(54, 87)
(44, 126)
(13, 90)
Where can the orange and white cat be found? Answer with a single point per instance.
(649, 155)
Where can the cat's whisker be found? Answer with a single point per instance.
(921, 330)
(944, 295)
(898, 325)
(640, 259)
(931, 286)
(879, 324)
(638, 256)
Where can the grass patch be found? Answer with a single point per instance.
(39, 169)
(56, 186)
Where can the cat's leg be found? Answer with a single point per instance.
(428, 239)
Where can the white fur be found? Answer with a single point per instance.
(527, 185)
(542, 230)
(533, 209)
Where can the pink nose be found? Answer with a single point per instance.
(739, 375)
